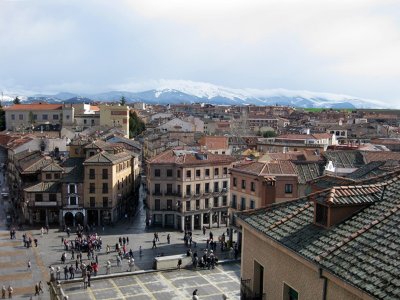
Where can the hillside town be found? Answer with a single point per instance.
(263, 188)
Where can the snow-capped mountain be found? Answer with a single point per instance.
(183, 91)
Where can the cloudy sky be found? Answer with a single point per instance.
(336, 46)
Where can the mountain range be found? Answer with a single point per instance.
(181, 91)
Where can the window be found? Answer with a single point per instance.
(188, 174)
(234, 181)
(56, 176)
(157, 204)
(198, 173)
(243, 184)
(105, 201)
(21, 117)
(84, 121)
(207, 173)
(45, 117)
(92, 202)
(38, 197)
(53, 197)
(198, 189)
(216, 186)
(206, 203)
(234, 201)
(288, 188)
(169, 204)
(169, 188)
(35, 117)
(178, 173)
(224, 201)
(225, 171)
(188, 189)
(73, 200)
(187, 205)
(105, 174)
(253, 186)
(289, 293)
(157, 189)
(178, 189)
(225, 184)
(48, 175)
(207, 187)
(216, 200)
(92, 188)
(252, 204)
(55, 117)
(197, 204)
(243, 203)
(216, 171)
(157, 172)
(169, 173)
(91, 174)
(72, 189)
(12, 117)
(105, 188)
(321, 214)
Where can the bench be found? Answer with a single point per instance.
(171, 261)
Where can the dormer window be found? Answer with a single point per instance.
(321, 214)
(48, 175)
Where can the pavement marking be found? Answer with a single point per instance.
(13, 253)
(9, 277)
(12, 264)
(222, 292)
(10, 244)
(169, 282)
(117, 288)
(146, 289)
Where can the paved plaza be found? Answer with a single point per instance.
(211, 284)
(14, 258)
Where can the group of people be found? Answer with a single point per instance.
(4, 291)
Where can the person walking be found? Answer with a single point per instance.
(58, 273)
(65, 272)
(10, 291)
(85, 282)
(168, 238)
(36, 289)
(179, 264)
(29, 265)
(41, 287)
(154, 244)
(195, 297)
(71, 272)
(3, 292)
(108, 267)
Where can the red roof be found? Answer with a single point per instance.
(214, 142)
(37, 106)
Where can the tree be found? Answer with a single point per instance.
(136, 125)
(268, 134)
(122, 101)
(17, 100)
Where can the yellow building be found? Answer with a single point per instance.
(115, 116)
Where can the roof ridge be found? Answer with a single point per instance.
(357, 233)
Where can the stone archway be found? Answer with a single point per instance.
(69, 219)
(79, 218)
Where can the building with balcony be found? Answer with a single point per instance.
(258, 184)
(188, 190)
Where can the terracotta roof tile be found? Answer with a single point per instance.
(44, 106)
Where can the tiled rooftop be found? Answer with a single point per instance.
(345, 159)
(276, 167)
(363, 250)
(37, 106)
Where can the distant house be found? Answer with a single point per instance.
(215, 144)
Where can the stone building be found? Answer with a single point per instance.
(188, 189)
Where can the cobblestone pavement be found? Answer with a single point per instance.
(14, 257)
(211, 284)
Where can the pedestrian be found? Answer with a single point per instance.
(154, 244)
(179, 264)
(36, 289)
(132, 265)
(224, 297)
(29, 265)
(72, 254)
(85, 282)
(10, 291)
(108, 267)
(97, 259)
(195, 297)
(127, 240)
(58, 273)
(76, 264)
(41, 231)
(168, 238)
(89, 277)
(3, 292)
(41, 287)
(36, 242)
(108, 249)
(204, 230)
(71, 272)
(140, 251)
(66, 272)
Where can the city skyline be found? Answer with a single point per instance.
(335, 47)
